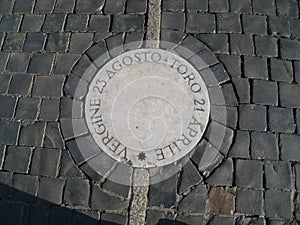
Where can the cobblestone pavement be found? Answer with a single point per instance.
(44, 43)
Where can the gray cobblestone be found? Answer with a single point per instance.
(133, 6)
(32, 23)
(266, 46)
(197, 5)
(67, 166)
(224, 220)
(266, 7)
(281, 120)
(10, 23)
(241, 145)
(54, 22)
(238, 6)
(248, 174)
(27, 108)
(65, 63)
(264, 146)
(23, 6)
(287, 8)
(298, 120)
(134, 37)
(218, 43)
(66, 105)
(194, 202)
(8, 132)
(278, 204)
(200, 23)
(4, 83)
(123, 23)
(34, 42)
(64, 6)
(189, 177)
(249, 201)
(190, 219)
(20, 84)
(265, 92)
(242, 88)
(88, 6)
(18, 62)
(17, 159)
(81, 216)
(114, 7)
(223, 175)
(288, 49)
(77, 192)
(254, 24)
(297, 71)
(31, 134)
(57, 42)
(80, 42)
(6, 179)
(288, 95)
(3, 60)
(50, 190)
(228, 23)
(173, 20)
(279, 26)
(112, 219)
(173, 5)
(297, 176)
(53, 137)
(7, 106)
(41, 63)
(290, 145)
(255, 67)
(295, 28)
(48, 86)
(232, 64)
(43, 7)
(76, 22)
(24, 184)
(14, 41)
(49, 109)
(99, 23)
(241, 44)
(278, 175)
(243, 220)
(252, 117)
(6, 6)
(114, 41)
(219, 6)
(59, 215)
(281, 70)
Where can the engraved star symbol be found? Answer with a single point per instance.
(142, 156)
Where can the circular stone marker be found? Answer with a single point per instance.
(147, 108)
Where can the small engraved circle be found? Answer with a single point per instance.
(147, 108)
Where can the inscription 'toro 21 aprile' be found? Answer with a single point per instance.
(147, 107)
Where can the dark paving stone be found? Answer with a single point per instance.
(186, 219)
(50, 190)
(44, 7)
(295, 28)
(266, 46)
(31, 134)
(290, 145)
(23, 6)
(254, 24)
(114, 7)
(76, 22)
(278, 175)
(107, 219)
(54, 22)
(249, 201)
(242, 88)
(198, 23)
(41, 63)
(123, 23)
(6, 179)
(64, 6)
(70, 109)
(281, 120)
(18, 62)
(77, 192)
(264, 92)
(59, 215)
(27, 108)
(71, 85)
(98, 50)
(159, 217)
(7, 106)
(297, 71)
(289, 49)
(279, 26)
(297, 177)
(32, 22)
(48, 86)
(4, 83)
(221, 201)
(88, 5)
(225, 116)
(218, 6)
(243, 220)
(14, 41)
(241, 44)
(45, 162)
(266, 7)
(173, 20)
(121, 190)
(264, 146)
(298, 120)
(80, 217)
(6, 6)
(6, 209)
(287, 8)
(228, 23)
(34, 42)
(133, 6)
(20, 84)
(49, 109)
(8, 132)
(53, 138)
(248, 174)
(195, 201)
(197, 5)
(189, 177)
(82, 65)
(281, 70)
(10, 23)
(218, 43)
(99, 23)
(3, 60)
(115, 42)
(24, 187)
(252, 117)
(240, 6)
(288, 95)
(80, 42)
(173, 5)
(224, 220)
(167, 188)
(170, 36)
(67, 167)
(223, 175)
(241, 145)
(255, 67)
(57, 42)
(17, 159)
(232, 64)
(65, 63)
(35, 214)
(102, 200)
(278, 204)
